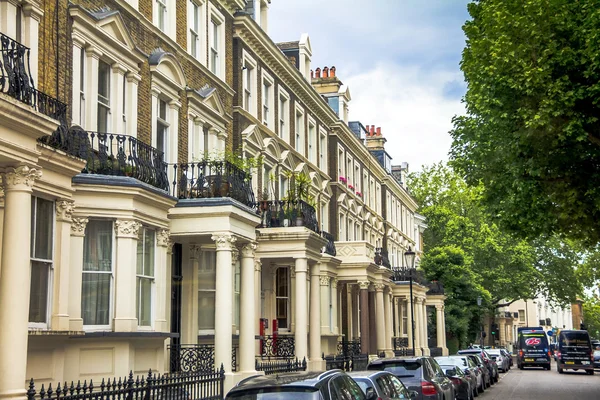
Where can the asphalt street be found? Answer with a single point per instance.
(535, 383)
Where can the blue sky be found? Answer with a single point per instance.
(400, 59)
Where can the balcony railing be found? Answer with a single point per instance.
(330, 246)
(284, 213)
(381, 257)
(196, 358)
(112, 154)
(349, 347)
(400, 342)
(277, 346)
(17, 82)
(212, 179)
(403, 274)
(280, 366)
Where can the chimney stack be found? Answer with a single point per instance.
(325, 72)
(312, 74)
(332, 72)
(375, 140)
(318, 73)
(379, 131)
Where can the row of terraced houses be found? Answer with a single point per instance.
(180, 191)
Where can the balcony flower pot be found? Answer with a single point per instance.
(300, 220)
(286, 222)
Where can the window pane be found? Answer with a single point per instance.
(38, 297)
(95, 299)
(206, 271)
(149, 252)
(144, 301)
(206, 310)
(97, 246)
(44, 218)
(162, 109)
(102, 118)
(103, 82)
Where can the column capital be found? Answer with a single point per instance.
(20, 177)
(334, 282)
(364, 285)
(78, 226)
(257, 265)
(249, 250)
(127, 228)
(224, 241)
(235, 255)
(195, 251)
(324, 280)
(439, 307)
(379, 287)
(64, 210)
(163, 238)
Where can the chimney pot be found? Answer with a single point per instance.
(312, 73)
(379, 131)
(332, 72)
(318, 72)
(372, 131)
(325, 72)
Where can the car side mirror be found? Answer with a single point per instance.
(414, 394)
(371, 395)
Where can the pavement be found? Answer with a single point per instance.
(536, 383)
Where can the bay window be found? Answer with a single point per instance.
(41, 253)
(145, 276)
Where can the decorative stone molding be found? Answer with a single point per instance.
(292, 273)
(78, 226)
(127, 228)
(249, 250)
(334, 283)
(379, 287)
(64, 210)
(324, 280)
(364, 285)
(195, 251)
(257, 265)
(224, 241)
(162, 238)
(19, 176)
(235, 255)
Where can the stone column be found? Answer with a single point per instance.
(163, 281)
(127, 232)
(410, 324)
(76, 273)
(15, 281)
(223, 301)
(334, 306)
(372, 322)
(300, 301)
(258, 295)
(364, 316)
(355, 294)
(60, 305)
(247, 309)
(380, 318)
(315, 319)
(424, 342)
(388, 325)
(418, 326)
(439, 313)
(326, 321)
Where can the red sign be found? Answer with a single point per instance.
(532, 341)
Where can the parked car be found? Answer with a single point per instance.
(575, 351)
(508, 356)
(533, 348)
(329, 385)
(487, 359)
(487, 376)
(382, 385)
(596, 358)
(468, 367)
(499, 358)
(462, 382)
(421, 374)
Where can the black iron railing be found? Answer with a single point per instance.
(435, 287)
(405, 351)
(284, 213)
(196, 357)
(196, 386)
(112, 154)
(400, 342)
(17, 82)
(381, 257)
(349, 347)
(404, 274)
(435, 351)
(280, 366)
(210, 179)
(352, 362)
(277, 346)
(330, 246)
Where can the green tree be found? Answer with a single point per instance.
(591, 316)
(531, 134)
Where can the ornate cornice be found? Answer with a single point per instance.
(22, 175)
(78, 226)
(249, 250)
(324, 280)
(64, 210)
(224, 241)
(127, 228)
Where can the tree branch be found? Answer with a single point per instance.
(498, 305)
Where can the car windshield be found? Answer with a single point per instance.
(575, 339)
(277, 393)
(402, 369)
(451, 361)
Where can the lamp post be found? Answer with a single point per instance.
(479, 300)
(409, 259)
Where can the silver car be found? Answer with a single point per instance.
(502, 361)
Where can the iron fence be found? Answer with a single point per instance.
(352, 362)
(330, 246)
(400, 342)
(191, 386)
(349, 348)
(277, 346)
(17, 82)
(112, 154)
(212, 179)
(284, 213)
(196, 357)
(404, 351)
(279, 366)
(435, 351)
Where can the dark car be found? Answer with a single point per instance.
(574, 351)
(330, 385)
(421, 374)
(534, 349)
(596, 358)
(471, 371)
(461, 382)
(487, 376)
(508, 356)
(382, 385)
(487, 359)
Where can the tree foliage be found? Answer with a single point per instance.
(532, 130)
(591, 316)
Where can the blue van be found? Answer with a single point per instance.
(533, 349)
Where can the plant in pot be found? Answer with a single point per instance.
(302, 185)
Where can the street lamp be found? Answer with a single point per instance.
(409, 259)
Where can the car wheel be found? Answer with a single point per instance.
(521, 367)
(476, 392)
(590, 372)
(559, 369)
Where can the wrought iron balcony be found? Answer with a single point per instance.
(349, 347)
(404, 274)
(381, 257)
(210, 179)
(400, 342)
(277, 346)
(112, 154)
(196, 357)
(17, 82)
(284, 213)
(330, 246)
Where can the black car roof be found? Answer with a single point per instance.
(287, 379)
(397, 359)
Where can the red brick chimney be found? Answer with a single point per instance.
(375, 140)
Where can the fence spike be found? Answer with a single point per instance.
(71, 389)
(42, 392)
(31, 391)
(91, 386)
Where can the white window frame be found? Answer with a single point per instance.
(200, 264)
(283, 114)
(152, 278)
(268, 101)
(197, 34)
(350, 169)
(161, 10)
(163, 122)
(341, 154)
(357, 179)
(288, 298)
(102, 101)
(216, 45)
(250, 83)
(49, 262)
(299, 131)
(311, 151)
(323, 150)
